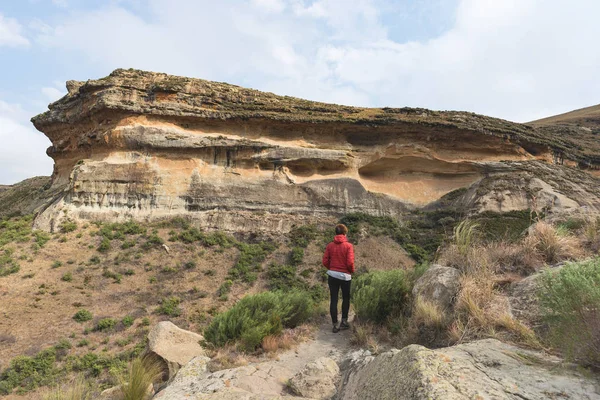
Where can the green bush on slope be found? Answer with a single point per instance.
(570, 298)
(256, 316)
(378, 295)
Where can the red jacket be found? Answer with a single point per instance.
(339, 255)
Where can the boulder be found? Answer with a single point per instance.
(486, 369)
(317, 379)
(256, 382)
(438, 285)
(524, 302)
(174, 345)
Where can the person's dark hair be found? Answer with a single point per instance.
(341, 229)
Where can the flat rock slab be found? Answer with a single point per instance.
(486, 369)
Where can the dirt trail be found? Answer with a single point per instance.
(325, 344)
(262, 378)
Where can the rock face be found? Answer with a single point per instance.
(317, 379)
(438, 285)
(487, 369)
(174, 345)
(146, 145)
(252, 382)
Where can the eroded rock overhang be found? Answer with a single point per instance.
(145, 145)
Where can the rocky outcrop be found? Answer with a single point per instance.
(175, 346)
(317, 380)
(438, 286)
(487, 369)
(146, 145)
(28, 197)
(252, 382)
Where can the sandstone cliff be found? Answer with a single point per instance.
(148, 145)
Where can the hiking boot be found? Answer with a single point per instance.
(335, 328)
(344, 325)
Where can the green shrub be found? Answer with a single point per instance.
(41, 238)
(225, 288)
(57, 264)
(127, 321)
(7, 264)
(256, 316)
(120, 230)
(249, 261)
(416, 252)
(153, 241)
(378, 295)
(170, 306)
(296, 256)
(283, 277)
(116, 277)
(127, 244)
(16, 229)
(67, 277)
(29, 373)
(83, 343)
(301, 236)
(104, 245)
(105, 324)
(83, 316)
(570, 299)
(189, 265)
(68, 226)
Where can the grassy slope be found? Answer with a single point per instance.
(587, 117)
(68, 273)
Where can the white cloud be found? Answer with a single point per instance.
(516, 59)
(52, 93)
(10, 33)
(25, 157)
(275, 6)
(60, 3)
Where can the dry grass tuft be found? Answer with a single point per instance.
(140, 377)
(363, 335)
(591, 233)
(481, 311)
(225, 358)
(553, 244)
(427, 314)
(270, 344)
(79, 389)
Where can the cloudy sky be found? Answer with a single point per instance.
(515, 59)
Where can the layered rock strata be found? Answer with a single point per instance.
(147, 145)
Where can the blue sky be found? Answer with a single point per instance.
(514, 59)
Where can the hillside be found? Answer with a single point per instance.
(588, 117)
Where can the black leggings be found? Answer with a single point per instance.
(334, 289)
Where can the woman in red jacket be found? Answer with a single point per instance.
(339, 261)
